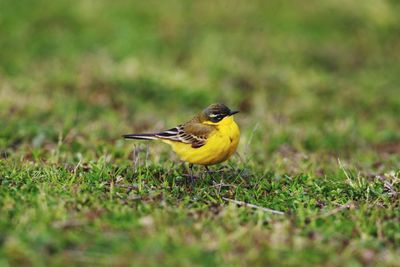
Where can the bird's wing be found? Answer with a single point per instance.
(192, 133)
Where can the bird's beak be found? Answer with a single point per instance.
(233, 112)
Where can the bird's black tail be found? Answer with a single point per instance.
(141, 136)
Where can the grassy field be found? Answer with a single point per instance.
(318, 85)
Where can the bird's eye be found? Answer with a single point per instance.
(216, 117)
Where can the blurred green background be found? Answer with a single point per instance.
(317, 76)
(315, 81)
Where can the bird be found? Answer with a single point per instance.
(209, 138)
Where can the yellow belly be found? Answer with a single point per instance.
(220, 146)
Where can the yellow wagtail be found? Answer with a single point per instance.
(209, 138)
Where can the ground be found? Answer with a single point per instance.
(317, 84)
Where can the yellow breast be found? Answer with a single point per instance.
(220, 145)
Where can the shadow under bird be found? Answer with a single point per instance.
(210, 137)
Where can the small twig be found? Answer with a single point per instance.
(349, 205)
(221, 184)
(241, 203)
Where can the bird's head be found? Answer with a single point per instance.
(217, 114)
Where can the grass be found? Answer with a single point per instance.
(318, 87)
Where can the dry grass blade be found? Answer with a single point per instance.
(244, 204)
(346, 206)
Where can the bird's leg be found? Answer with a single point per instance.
(191, 173)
